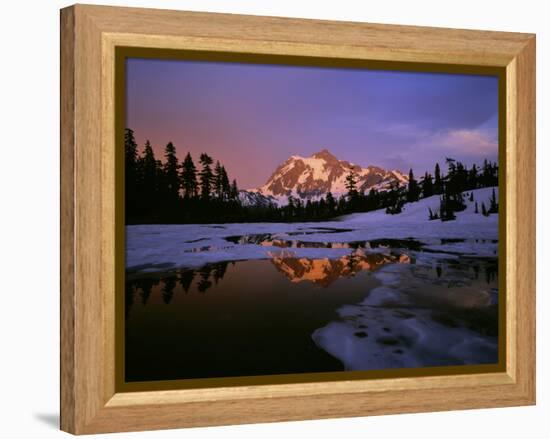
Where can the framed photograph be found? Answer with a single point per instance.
(269, 219)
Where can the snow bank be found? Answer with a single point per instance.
(413, 221)
(393, 328)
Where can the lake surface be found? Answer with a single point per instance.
(383, 304)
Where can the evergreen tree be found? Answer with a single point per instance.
(427, 186)
(394, 201)
(489, 174)
(472, 178)
(218, 176)
(372, 200)
(486, 174)
(160, 180)
(130, 151)
(298, 206)
(453, 186)
(291, 206)
(461, 177)
(321, 208)
(446, 212)
(493, 204)
(351, 185)
(148, 163)
(171, 175)
(149, 186)
(309, 208)
(413, 190)
(438, 183)
(451, 171)
(206, 176)
(234, 191)
(484, 210)
(130, 173)
(226, 186)
(494, 175)
(342, 204)
(189, 177)
(330, 203)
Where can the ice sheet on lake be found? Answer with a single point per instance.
(391, 328)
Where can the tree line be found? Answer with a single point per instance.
(449, 187)
(172, 192)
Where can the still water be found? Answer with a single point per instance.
(301, 315)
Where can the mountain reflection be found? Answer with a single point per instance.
(165, 288)
(320, 271)
(325, 271)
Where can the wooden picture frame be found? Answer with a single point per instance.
(91, 402)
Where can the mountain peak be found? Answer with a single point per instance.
(312, 177)
(325, 154)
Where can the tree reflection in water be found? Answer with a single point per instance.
(168, 289)
(321, 271)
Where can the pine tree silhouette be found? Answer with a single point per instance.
(206, 176)
(226, 187)
(218, 176)
(189, 177)
(427, 186)
(493, 205)
(130, 173)
(438, 184)
(351, 184)
(234, 190)
(330, 203)
(148, 181)
(413, 191)
(171, 180)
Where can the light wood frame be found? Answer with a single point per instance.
(89, 36)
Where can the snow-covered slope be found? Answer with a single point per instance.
(417, 212)
(314, 176)
(413, 222)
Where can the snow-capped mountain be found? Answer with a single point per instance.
(314, 176)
